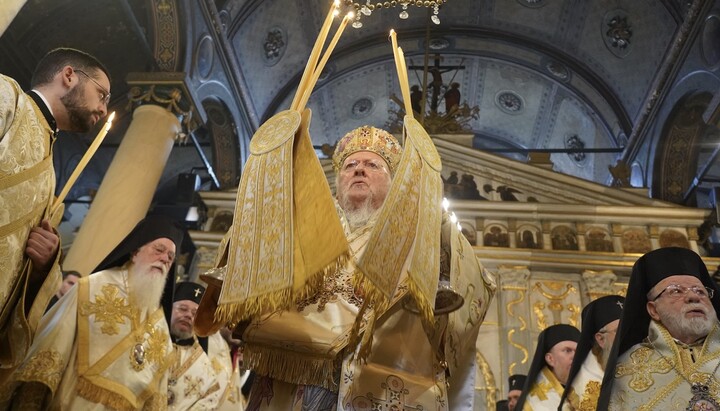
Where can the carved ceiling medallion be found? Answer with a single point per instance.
(363, 107)
(617, 32)
(439, 43)
(509, 102)
(274, 46)
(557, 70)
(574, 142)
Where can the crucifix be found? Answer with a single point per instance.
(437, 70)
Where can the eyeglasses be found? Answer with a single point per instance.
(678, 291)
(184, 309)
(104, 93)
(374, 166)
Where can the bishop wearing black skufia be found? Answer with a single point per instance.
(599, 326)
(193, 381)
(106, 343)
(666, 354)
(550, 368)
(516, 382)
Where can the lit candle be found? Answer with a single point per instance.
(399, 69)
(315, 54)
(445, 204)
(83, 161)
(326, 56)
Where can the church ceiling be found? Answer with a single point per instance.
(543, 75)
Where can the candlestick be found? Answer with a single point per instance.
(314, 55)
(326, 56)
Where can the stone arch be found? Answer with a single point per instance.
(529, 236)
(676, 156)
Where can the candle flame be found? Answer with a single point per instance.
(350, 15)
(336, 12)
(110, 119)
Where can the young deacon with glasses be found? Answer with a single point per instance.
(70, 91)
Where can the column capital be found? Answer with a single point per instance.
(170, 90)
(513, 276)
(599, 283)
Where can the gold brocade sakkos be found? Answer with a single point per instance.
(27, 183)
(85, 355)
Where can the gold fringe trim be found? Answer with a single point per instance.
(92, 392)
(374, 305)
(427, 315)
(285, 299)
(293, 367)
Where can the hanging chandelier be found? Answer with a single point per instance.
(366, 9)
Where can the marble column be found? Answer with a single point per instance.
(8, 10)
(513, 308)
(128, 187)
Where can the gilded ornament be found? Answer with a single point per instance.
(108, 308)
(641, 367)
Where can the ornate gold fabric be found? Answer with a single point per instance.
(276, 252)
(404, 352)
(545, 392)
(302, 345)
(27, 182)
(662, 375)
(192, 384)
(585, 389)
(407, 242)
(227, 372)
(80, 365)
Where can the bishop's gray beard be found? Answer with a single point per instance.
(361, 215)
(179, 334)
(145, 289)
(695, 327)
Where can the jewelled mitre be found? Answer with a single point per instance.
(371, 139)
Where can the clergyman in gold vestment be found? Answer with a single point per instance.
(70, 91)
(105, 344)
(600, 320)
(549, 369)
(302, 355)
(666, 355)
